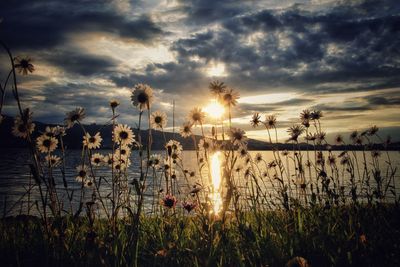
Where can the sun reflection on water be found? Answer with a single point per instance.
(215, 194)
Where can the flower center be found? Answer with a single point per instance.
(47, 143)
(82, 173)
(123, 135)
(75, 117)
(142, 98)
(158, 119)
(92, 139)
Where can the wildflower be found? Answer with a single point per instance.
(271, 164)
(196, 116)
(46, 144)
(270, 121)
(229, 98)
(321, 137)
(155, 161)
(24, 65)
(142, 96)
(353, 135)
(82, 173)
(363, 239)
(238, 168)
(344, 160)
(237, 136)
(158, 120)
(311, 137)
(295, 131)
(258, 157)
(189, 206)
(121, 164)
(88, 183)
(22, 128)
(285, 152)
(174, 146)
(305, 115)
(359, 140)
(169, 201)
(92, 142)
(217, 88)
(186, 130)
(375, 153)
(255, 120)
(52, 160)
(206, 145)
(306, 123)
(74, 116)
(297, 262)
(316, 115)
(114, 104)
(242, 150)
(339, 139)
(332, 160)
(97, 159)
(108, 160)
(247, 173)
(247, 160)
(123, 134)
(373, 130)
(122, 153)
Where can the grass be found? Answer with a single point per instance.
(345, 236)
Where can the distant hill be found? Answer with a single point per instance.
(73, 139)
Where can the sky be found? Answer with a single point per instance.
(341, 57)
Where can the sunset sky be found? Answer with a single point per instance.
(342, 57)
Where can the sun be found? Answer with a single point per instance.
(214, 109)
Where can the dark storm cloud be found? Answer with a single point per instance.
(210, 11)
(173, 77)
(383, 100)
(76, 62)
(366, 38)
(44, 24)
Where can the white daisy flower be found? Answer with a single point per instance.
(158, 120)
(238, 136)
(196, 116)
(92, 142)
(186, 130)
(22, 129)
(174, 146)
(74, 116)
(206, 145)
(142, 96)
(123, 134)
(46, 144)
(53, 160)
(82, 173)
(97, 159)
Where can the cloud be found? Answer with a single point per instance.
(45, 24)
(322, 53)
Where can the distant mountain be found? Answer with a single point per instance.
(73, 139)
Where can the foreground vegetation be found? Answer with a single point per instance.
(234, 209)
(346, 236)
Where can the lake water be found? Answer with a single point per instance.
(15, 178)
